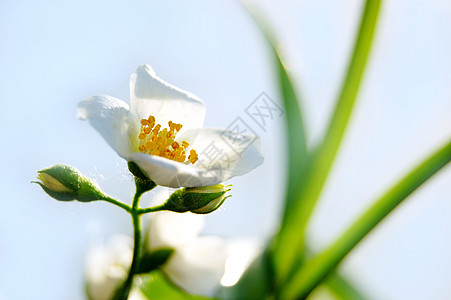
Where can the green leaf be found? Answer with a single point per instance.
(309, 275)
(291, 238)
(153, 260)
(155, 286)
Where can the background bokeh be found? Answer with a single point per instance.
(55, 53)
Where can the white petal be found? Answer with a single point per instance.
(107, 267)
(112, 119)
(198, 266)
(136, 294)
(149, 95)
(169, 173)
(240, 256)
(224, 154)
(121, 246)
(172, 230)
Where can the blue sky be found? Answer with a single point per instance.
(55, 53)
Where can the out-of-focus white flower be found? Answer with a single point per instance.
(198, 262)
(179, 155)
(241, 254)
(136, 294)
(169, 229)
(107, 267)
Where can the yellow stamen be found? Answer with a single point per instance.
(192, 156)
(161, 142)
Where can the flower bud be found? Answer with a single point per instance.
(199, 200)
(66, 183)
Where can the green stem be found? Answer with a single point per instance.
(152, 209)
(124, 291)
(291, 238)
(117, 203)
(310, 274)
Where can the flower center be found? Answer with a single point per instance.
(161, 142)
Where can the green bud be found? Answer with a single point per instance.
(199, 200)
(65, 183)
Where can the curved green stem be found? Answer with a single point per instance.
(151, 209)
(118, 203)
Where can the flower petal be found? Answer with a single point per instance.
(222, 153)
(107, 267)
(136, 294)
(197, 267)
(149, 95)
(168, 229)
(241, 254)
(112, 119)
(169, 173)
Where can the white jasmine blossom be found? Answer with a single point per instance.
(178, 155)
(107, 267)
(198, 262)
(241, 253)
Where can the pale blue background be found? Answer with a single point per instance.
(55, 53)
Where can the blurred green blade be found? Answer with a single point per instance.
(291, 238)
(342, 289)
(296, 139)
(314, 271)
(296, 144)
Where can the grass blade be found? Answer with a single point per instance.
(294, 126)
(291, 238)
(342, 289)
(308, 276)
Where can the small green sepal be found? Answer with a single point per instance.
(143, 183)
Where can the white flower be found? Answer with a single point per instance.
(107, 268)
(241, 253)
(198, 262)
(184, 153)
